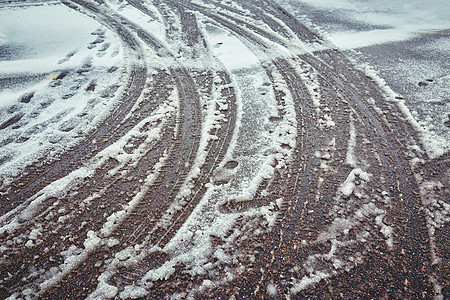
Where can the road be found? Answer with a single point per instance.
(334, 195)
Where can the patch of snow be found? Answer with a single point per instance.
(350, 156)
(272, 290)
(406, 41)
(230, 50)
(308, 280)
(151, 24)
(349, 185)
(103, 290)
(437, 212)
(435, 145)
(64, 71)
(375, 22)
(133, 292)
(44, 29)
(324, 265)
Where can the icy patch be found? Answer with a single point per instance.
(3, 38)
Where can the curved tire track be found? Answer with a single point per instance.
(301, 254)
(37, 176)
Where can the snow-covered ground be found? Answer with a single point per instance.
(407, 42)
(59, 71)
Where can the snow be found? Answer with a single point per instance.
(133, 292)
(92, 241)
(350, 156)
(51, 55)
(3, 38)
(308, 280)
(192, 242)
(103, 291)
(435, 142)
(250, 78)
(437, 212)
(406, 42)
(259, 147)
(231, 51)
(152, 25)
(73, 256)
(44, 28)
(348, 187)
(380, 21)
(272, 289)
(325, 265)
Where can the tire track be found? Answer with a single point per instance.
(99, 182)
(347, 215)
(160, 196)
(403, 270)
(41, 174)
(413, 244)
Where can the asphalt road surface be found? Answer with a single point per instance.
(345, 209)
